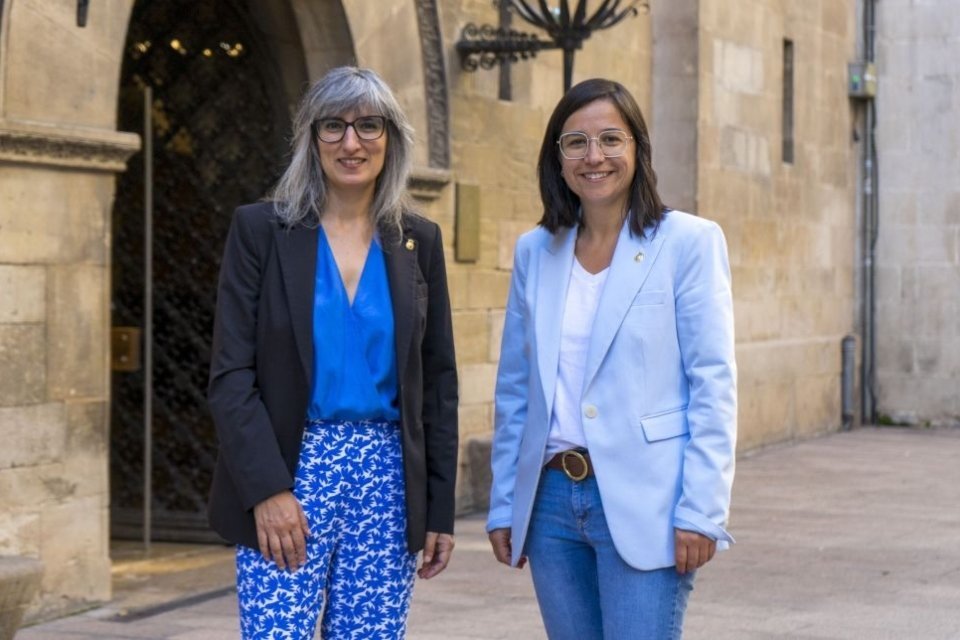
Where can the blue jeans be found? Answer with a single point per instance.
(585, 590)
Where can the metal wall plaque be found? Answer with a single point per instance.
(467, 231)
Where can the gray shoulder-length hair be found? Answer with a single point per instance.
(301, 192)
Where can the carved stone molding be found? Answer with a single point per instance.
(427, 183)
(66, 146)
(435, 83)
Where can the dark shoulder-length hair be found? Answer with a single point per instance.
(561, 206)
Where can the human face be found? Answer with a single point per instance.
(599, 181)
(352, 164)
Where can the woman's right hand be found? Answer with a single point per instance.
(502, 547)
(282, 530)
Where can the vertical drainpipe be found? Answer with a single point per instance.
(870, 228)
(848, 348)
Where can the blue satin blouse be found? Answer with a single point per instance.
(354, 362)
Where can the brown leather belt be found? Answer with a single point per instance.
(573, 462)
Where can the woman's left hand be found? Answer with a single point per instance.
(436, 554)
(693, 550)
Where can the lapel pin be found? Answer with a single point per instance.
(638, 257)
(410, 244)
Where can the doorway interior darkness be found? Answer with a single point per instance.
(220, 122)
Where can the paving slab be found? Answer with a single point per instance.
(849, 536)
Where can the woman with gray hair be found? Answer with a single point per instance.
(333, 382)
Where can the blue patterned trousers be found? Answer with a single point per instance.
(358, 571)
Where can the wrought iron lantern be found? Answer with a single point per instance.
(486, 46)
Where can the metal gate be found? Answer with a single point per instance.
(219, 122)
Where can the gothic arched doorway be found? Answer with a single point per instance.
(220, 118)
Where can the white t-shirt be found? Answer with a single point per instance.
(583, 295)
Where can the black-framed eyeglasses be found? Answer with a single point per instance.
(366, 127)
(575, 145)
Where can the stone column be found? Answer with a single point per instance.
(56, 193)
(673, 123)
(59, 152)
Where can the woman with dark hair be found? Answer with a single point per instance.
(333, 384)
(613, 451)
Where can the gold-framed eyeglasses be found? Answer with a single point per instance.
(366, 127)
(575, 145)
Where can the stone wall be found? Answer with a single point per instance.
(673, 121)
(790, 226)
(918, 249)
(58, 152)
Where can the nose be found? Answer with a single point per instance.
(594, 154)
(350, 138)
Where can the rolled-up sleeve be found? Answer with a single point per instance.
(513, 375)
(705, 329)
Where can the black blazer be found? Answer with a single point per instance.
(262, 364)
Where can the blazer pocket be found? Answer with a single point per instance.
(665, 425)
(648, 298)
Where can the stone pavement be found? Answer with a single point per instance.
(848, 536)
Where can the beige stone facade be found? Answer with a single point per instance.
(791, 227)
(917, 378)
(59, 151)
(709, 76)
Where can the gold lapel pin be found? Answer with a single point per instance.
(410, 244)
(638, 257)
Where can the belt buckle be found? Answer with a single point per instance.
(573, 453)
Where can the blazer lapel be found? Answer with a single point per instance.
(401, 273)
(297, 250)
(632, 261)
(553, 277)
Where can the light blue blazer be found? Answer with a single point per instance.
(659, 406)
